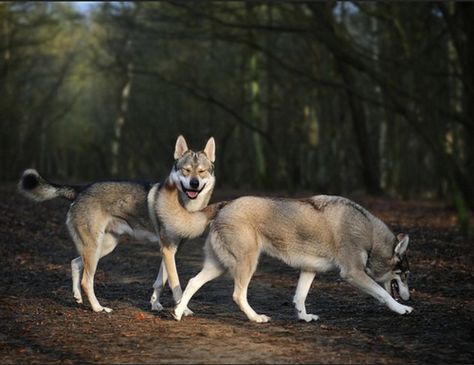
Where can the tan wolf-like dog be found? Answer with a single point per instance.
(315, 234)
(101, 212)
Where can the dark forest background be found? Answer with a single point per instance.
(327, 97)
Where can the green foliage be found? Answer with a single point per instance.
(462, 209)
(327, 97)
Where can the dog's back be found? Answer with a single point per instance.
(125, 201)
(316, 233)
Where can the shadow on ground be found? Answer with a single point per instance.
(40, 322)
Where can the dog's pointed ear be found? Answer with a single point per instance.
(210, 149)
(180, 148)
(402, 244)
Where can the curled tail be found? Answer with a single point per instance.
(34, 186)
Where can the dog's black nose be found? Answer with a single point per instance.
(194, 183)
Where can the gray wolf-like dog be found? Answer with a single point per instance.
(315, 234)
(101, 212)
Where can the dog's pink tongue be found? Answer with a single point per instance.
(192, 194)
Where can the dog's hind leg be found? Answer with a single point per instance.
(211, 270)
(242, 273)
(241, 283)
(76, 273)
(158, 286)
(109, 242)
(90, 257)
(76, 264)
(304, 283)
(90, 266)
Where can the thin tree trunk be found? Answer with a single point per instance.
(121, 118)
(255, 107)
(370, 169)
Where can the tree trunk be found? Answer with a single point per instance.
(367, 152)
(465, 181)
(255, 107)
(121, 118)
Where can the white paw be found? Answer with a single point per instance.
(308, 317)
(176, 314)
(78, 299)
(187, 312)
(102, 309)
(261, 318)
(156, 306)
(402, 309)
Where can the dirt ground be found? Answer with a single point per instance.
(41, 323)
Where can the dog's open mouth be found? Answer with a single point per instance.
(191, 193)
(394, 289)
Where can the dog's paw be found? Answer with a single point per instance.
(78, 299)
(402, 309)
(399, 308)
(407, 309)
(156, 306)
(176, 315)
(261, 318)
(308, 317)
(187, 312)
(102, 309)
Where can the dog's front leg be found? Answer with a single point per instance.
(361, 280)
(304, 283)
(169, 252)
(158, 286)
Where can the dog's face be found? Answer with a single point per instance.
(193, 172)
(396, 281)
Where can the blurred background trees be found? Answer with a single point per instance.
(332, 97)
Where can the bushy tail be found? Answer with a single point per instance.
(34, 186)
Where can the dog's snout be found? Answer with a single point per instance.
(194, 183)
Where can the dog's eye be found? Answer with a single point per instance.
(186, 170)
(201, 171)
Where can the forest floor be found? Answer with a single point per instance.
(41, 323)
